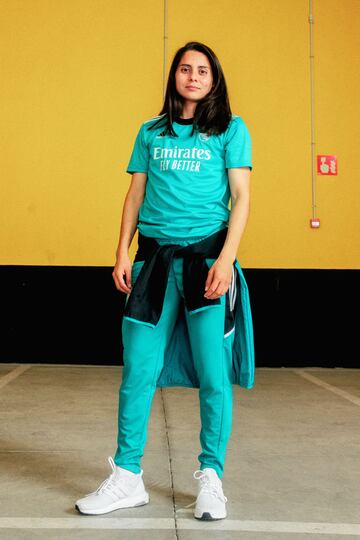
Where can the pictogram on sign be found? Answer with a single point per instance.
(327, 165)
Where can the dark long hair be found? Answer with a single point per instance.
(212, 114)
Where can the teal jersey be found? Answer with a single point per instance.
(187, 189)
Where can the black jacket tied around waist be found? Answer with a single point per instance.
(146, 299)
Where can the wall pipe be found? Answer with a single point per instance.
(312, 92)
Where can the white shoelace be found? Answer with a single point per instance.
(209, 486)
(109, 481)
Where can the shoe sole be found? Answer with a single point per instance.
(206, 516)
(130, 502)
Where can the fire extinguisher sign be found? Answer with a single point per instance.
(327, 165)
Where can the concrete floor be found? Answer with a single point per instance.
(292, 468)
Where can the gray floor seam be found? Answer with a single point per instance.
(170, 467)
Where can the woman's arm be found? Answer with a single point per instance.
(132, 203)
(239, 180)
(219, 277)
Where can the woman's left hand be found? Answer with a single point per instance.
(219, 278)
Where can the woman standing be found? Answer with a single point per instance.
(186, 164)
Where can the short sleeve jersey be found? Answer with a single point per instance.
(187, 189)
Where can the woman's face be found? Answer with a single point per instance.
(193, 76)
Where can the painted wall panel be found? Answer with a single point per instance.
(78, 78)
(337, 82)
(264, 50)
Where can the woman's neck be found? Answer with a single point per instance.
(188, 110)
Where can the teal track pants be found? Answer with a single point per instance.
(143, 357)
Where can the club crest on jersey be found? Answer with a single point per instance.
(204, 136)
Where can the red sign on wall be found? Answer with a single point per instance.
(327, 165)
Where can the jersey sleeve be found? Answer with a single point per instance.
(238, 145)
(139, 160)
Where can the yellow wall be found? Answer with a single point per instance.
(79, 77)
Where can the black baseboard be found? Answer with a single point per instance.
(72, 315)
(305, 317)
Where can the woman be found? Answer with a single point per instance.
(186, 164)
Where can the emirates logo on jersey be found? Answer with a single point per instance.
(181, 159)
(204, 136)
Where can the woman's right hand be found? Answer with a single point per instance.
(122, 269)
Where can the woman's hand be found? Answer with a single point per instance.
(123, 267)
(219, 278)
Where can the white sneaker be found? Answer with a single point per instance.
(122, 489)
(210, 502)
